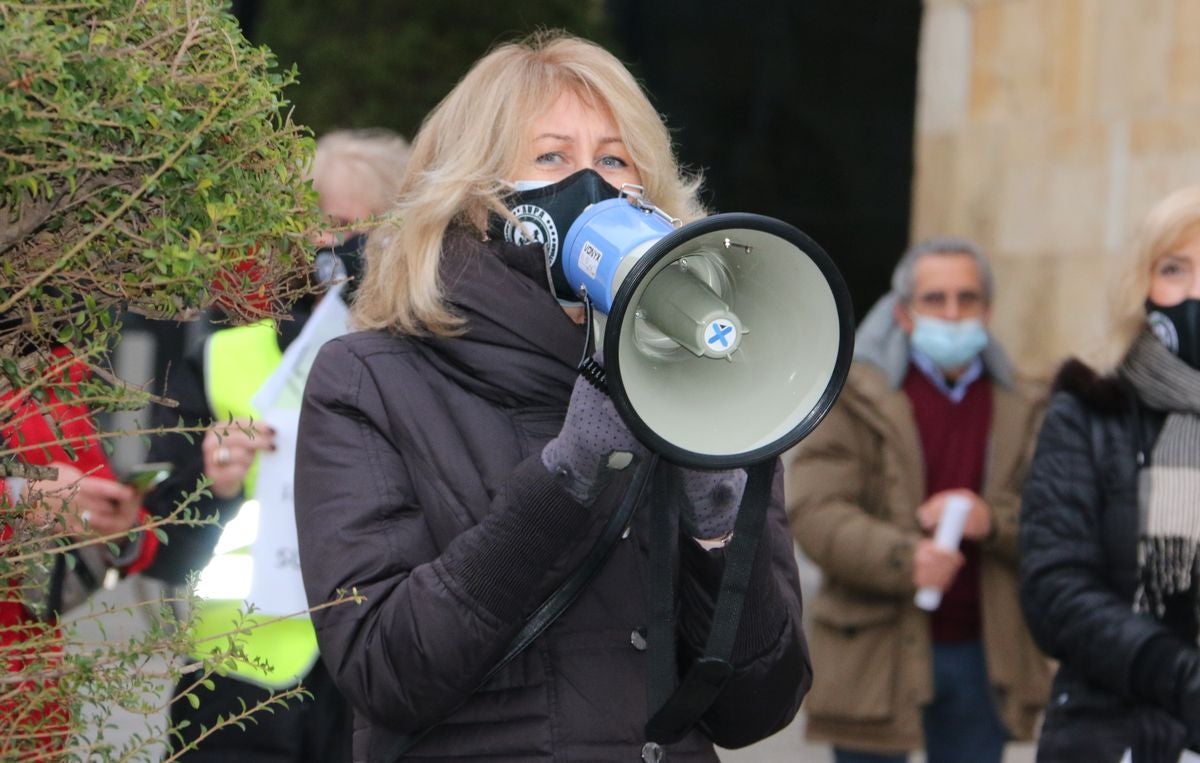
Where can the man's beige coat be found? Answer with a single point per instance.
(854, 486)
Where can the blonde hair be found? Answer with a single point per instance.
(368, 163)
(1172, 222)
(471, 142)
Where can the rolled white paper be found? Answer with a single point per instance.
(948, 536)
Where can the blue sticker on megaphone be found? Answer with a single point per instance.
(720, 335)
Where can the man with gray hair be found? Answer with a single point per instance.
(931, 414)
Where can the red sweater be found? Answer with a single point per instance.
(29, 426)
(954, 438)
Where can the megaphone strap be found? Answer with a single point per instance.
(678, 709)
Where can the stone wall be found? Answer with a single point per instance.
(1045, 130)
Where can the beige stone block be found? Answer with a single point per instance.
(1050, 307)
(1009, 61)
(1022, 225)
(930, 4)
(1134, 54)
(1079, 141)
(1185, 52)
(1072, 42)
(1177, 132)
(1076, 199)
(944, 68)
(980, 165)
(1082, 306)
(933, 184)
(1021, 314)
(1028, 142)
(1152, 178)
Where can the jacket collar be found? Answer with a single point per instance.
(518, 348)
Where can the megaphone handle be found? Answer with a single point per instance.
(588, 366)
(594, 374)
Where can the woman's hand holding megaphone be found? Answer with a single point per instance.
(593, 441)
(712, 501)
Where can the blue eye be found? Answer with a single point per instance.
(553, 157)
(613, 163)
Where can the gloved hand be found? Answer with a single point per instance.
(592, 443)
(711, 501)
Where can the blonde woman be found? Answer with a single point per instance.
(1110, 529)
(453, 470)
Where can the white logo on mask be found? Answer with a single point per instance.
(536, 226)
(1164, 330)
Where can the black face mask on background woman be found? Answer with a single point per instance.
(1177, 327)
(547, 213)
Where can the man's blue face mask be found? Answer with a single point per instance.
(546, 212)
(949, 344)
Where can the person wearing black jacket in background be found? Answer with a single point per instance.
(1110, 524)
(454, 469)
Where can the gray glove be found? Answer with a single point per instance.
(711, 501)
(592, 443)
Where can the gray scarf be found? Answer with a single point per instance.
(1169, 487)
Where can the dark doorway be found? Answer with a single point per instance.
(800, 110)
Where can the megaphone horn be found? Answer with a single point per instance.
(726, 340)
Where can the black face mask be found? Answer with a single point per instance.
(341, 262)
(1178, 327)
(547, 214)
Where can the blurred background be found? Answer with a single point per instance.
(1044, 129)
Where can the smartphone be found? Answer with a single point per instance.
(146, 477)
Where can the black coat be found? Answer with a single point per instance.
(1079, 571)
(419, 483)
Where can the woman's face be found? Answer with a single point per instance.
(571, 136)
(1175, 276)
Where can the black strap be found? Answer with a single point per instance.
(563, 596)
(707, 676)
(662, 668)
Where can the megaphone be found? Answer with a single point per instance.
(726, 340)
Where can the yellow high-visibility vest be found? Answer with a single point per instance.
(237, 361)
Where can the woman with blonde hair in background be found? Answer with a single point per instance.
(455, 470)
(1110, 524)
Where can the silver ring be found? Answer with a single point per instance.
(223, 456)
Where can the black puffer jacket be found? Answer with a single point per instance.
(1117, 684)
(419, 483)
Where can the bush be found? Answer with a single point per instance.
(148, 163)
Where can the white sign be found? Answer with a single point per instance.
(276, 587)
(285, 387)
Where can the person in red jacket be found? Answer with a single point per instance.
(84, 500)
